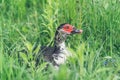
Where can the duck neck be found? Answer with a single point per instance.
(59, 41)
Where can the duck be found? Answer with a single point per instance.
(58, 54)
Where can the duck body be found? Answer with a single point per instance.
(58, 54)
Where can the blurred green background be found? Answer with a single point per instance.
(25, 23)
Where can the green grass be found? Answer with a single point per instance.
(27, 23)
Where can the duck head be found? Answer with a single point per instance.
(65, 30)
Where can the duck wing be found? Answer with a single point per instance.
(45, 53)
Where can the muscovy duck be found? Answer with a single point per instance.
(58, 54)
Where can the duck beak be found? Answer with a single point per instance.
(76, 31)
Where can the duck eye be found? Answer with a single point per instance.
(67, 27)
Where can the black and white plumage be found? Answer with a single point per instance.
(58, 54)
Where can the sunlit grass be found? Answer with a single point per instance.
(29, 24)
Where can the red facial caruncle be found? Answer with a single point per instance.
(68, 28)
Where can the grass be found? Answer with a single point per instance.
(25, 24)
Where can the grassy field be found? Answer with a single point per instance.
(25, 24)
